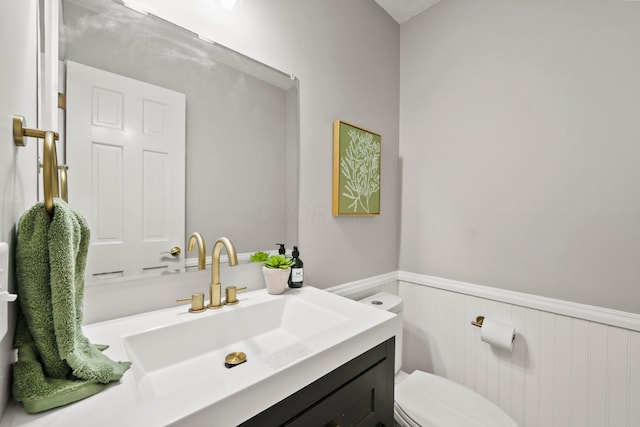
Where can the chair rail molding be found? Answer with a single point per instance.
(621, 319)
(576, 310)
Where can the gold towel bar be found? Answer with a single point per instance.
(20, 131)
(50, 174)
(49, 171)
(64, 189)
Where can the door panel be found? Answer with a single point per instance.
(126, 144)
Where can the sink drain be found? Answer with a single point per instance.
(234, 359)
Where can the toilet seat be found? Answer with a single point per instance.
(427, 400)
(404, 418)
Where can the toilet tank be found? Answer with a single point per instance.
(393, 304)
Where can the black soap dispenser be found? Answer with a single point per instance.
(296, 277)
(281, 250)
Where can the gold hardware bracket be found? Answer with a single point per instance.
(49, 159)
(478, 322)
(62, 101)
(20, 131)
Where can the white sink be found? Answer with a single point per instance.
(178, 376)
(175, 357)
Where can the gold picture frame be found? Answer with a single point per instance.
(356, 170)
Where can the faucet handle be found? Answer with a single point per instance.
(197, 302)
(230, 294)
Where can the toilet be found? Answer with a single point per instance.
(426, 400)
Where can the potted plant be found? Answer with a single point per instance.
(276, 269)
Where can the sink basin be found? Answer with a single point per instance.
(178, 377)
(272, 333)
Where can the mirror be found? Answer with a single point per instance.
(241, 120)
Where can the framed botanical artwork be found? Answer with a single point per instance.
(356, 170)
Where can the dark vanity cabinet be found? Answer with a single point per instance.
(358, 393)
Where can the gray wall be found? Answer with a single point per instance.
(520, 147)
(351, 73)
(346, 56)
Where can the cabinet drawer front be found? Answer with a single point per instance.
(354, 404)
(358, 393)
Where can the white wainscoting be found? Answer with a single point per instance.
(572, 365)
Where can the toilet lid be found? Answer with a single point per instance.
(429, 400)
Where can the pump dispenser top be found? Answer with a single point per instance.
(282, 250)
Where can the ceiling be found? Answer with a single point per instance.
(403, 10)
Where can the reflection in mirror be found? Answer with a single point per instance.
(240, 128)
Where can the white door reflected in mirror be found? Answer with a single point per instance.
(127, 146)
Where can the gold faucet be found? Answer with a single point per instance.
(202, 250)
(215, 288)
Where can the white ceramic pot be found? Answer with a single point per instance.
(276, 279)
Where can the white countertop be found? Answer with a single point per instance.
(245, 391)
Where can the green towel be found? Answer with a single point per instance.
(34, 388)
(56, 363)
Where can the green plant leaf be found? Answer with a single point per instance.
(278, 261)
(259, 256)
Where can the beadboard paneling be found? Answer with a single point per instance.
(572, 365)
(564, 371)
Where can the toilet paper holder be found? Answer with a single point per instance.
(495, 333)
(478, 322)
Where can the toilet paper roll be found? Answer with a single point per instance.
(498, 334)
